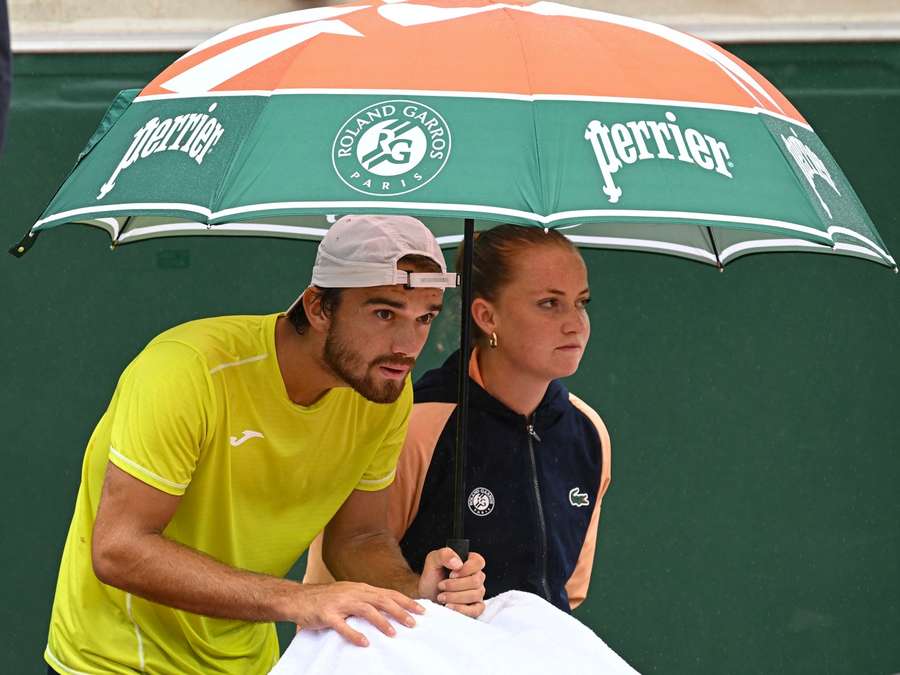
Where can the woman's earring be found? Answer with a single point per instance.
(493, 341)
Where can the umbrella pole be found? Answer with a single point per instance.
(457, 541)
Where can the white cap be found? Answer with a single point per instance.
(362, 251)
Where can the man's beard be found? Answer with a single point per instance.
(350, 366)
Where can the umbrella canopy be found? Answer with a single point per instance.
(626, 133)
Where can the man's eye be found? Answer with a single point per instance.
(384, 314)
(426, 318)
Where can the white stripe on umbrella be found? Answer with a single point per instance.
(834, 229)
(790, 244)
(526, 215)
(725, 255)
(234, 228)
(528, 98)
(285, 19)
(136, 206)
(338, 206)
(222, 67)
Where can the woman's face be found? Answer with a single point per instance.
(540, 317)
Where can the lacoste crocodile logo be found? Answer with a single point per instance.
(246, 436)
(578, 498)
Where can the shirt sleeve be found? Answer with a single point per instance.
(383, 467)
(162, 416)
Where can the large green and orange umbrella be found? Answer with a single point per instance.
(626, 133)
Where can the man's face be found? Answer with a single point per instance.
(376, 334)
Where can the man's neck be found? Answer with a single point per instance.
(517, 390)
(299, 360)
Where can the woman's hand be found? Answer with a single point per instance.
(447, 580)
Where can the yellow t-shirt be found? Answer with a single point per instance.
(202, 412)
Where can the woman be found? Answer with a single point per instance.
(538, 461)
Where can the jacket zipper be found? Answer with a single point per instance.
(532, 436)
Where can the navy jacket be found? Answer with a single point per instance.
(531, 487)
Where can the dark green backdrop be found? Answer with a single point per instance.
(753, 524)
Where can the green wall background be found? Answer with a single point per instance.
(753, 523)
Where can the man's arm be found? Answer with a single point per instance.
(359, 545)
(130, 552)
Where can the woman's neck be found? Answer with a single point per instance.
(509, 383)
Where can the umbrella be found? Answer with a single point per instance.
(624, 133)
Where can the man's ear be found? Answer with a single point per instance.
(484, 316)
(319, 321)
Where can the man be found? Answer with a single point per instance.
(228, 445)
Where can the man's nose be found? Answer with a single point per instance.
(408, 341)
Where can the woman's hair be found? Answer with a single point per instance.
(331, 297)
(495, 252)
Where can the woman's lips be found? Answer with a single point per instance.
(570, 348)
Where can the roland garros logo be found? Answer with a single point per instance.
(391, 148)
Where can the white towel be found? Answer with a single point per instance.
(518, 633)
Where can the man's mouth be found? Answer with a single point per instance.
(394, 371)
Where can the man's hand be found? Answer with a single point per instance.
(130, 552)
(329, 605)
(462, 590)
(358, 545)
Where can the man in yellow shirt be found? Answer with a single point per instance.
(228, 445)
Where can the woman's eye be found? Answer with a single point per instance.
(584, 302)
(549, 302)
(384, 314)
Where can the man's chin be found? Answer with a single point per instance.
(381, 390)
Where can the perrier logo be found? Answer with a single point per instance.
(391, 148)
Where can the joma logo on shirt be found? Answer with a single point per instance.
(246, 436)
(194, 134)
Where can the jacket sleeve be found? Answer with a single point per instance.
(426, 422)
(577, 585)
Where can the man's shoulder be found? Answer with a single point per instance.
(213, 328)
(220, 339)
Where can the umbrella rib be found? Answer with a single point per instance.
(122, 229)
(712, 242)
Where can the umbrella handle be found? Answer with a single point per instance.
(460, 547)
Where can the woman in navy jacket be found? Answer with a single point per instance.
(538, 458)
